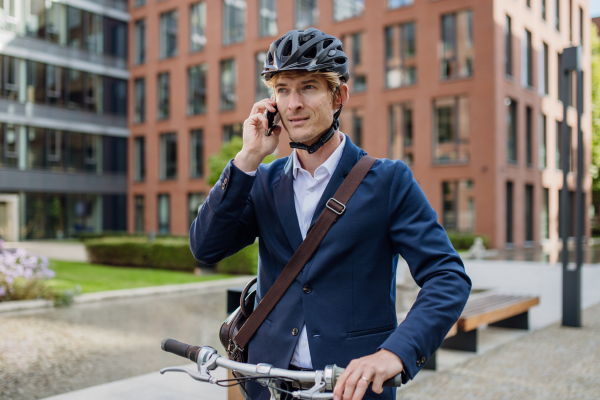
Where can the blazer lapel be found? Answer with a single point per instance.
(283, 190)
(350, 156)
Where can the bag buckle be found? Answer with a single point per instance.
(338, 202)
(233, 347)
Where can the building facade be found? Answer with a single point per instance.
(464, 91)
(63, 117)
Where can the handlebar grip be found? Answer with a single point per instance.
(180, 349)
(394, 382)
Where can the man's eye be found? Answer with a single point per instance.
(309, 87)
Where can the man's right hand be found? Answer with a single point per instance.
(257, 145)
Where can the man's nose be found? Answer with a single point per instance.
(295, 101)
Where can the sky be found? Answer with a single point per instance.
(594, 8)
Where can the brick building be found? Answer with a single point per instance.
(464, 91)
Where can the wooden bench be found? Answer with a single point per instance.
(493, 309)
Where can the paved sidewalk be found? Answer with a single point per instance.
(56, 250)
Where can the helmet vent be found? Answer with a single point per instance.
(306, 38)
(287, 49)
(327, 43)
(311, 53)
(340, 60)
(270, 59)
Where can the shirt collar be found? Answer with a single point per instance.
(330, 164)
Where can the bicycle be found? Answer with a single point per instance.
(207, 359)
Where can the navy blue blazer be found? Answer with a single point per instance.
(350, 311)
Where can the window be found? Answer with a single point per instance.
(139, 213)
(544, 70)
(353, 43)
(90, 152)
(139, 3)
(528, 138)
(458, 208)
(36, 148)
(94, 33)
(75, 89)
(197, 89)
(168, 156)
(228, 85)
(451, 129)
(543, 142)
(511, 126)
(559, 76)
(139, 159)
(571, 21)
(57, 21)
(306, 13)
(163, 96)
(234, 21)
(570, 149)
(164, 214)
(55, 85)
(195, 201)
(197, 153)
(74, 151)
(10, 77)
(139, 87)
(54, 149)
(168, 34)
(345, 9)
(399, 3)
(36, 82)
(401, 132)
(400, 55)
(10, 142)
(581, 26)
(74, 27)
(509, 213)
(262, 91)
(529, 213)
(115, 92)
(198, 26)
(267, 18)
(545, 215)
(352, 124)
(35, 20)
(115, 43)
(139, 45)
(528, 4)
(543, 10)
(457, 45)
(558, 136)
(93, 93)
(557, 15)
(527, 72)
(229, 131)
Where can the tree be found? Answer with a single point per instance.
(218, 162)
(595, 167)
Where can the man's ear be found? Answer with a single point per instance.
(343, 95)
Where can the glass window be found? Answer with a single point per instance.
(168, 156)
(93, 93)
(10, 14)
(11, 78)
(197, 153)
(35, 22)
(10, 144)
(75, 89)
(197, 89)
(74, 154)
(306, 13)
(90, 152)
(528, 136)
(234, 21)
(139, 213)
(457, 45)
(115, 96)
(164, 214)
(262, 91)
(399, 3)
(543, 10)
(55, 145)
(528, 60)
(529, 213)
(75, 27)
(353, 43)
(509, 212)
(139, 87)
(55, 85)
(451, 129)
(139, 3)
(400, 55)
(558, 136)
(544, 70)
(94, 33)
(581, 22)
(267, 18)
(543, 142)
(139, 44)
(168, 34)
(352, 124)
(139, 159)
(115, 43)
(228, 83)
(511, 126)
(557, 15)
(115, 154)
(195, 201)
(545, 215)
(401, 132)
(458, 208)
(508, 46)
(344, 9)
(229, 131)
(56, 29)
(36, 147)
(197, 26)
(163, 96)
(36, 82)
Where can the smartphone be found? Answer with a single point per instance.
(273, 119)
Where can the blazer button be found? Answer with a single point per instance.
(295, 331)
(418, 363)
(423, 359)
(224, 184)
(307, 289)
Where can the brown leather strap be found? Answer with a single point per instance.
(335, 207)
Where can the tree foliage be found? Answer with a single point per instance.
(595, 167)
(218, 162)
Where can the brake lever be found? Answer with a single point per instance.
(197, 375)
(315, 392)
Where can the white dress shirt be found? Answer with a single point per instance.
(307, 193)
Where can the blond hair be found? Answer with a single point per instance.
(332, 78)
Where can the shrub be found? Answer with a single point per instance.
(171, 254)
(244, 262)
(464, 241)
(99, 235)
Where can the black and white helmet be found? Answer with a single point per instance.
(306, 50)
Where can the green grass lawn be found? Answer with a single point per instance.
(99, 278)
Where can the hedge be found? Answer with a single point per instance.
(164, 253)
(464, 241)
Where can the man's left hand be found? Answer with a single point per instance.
(376, 368)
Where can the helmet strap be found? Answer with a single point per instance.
(325, 136)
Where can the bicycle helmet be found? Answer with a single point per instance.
(308, 50)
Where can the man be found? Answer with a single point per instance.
(341, 307)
